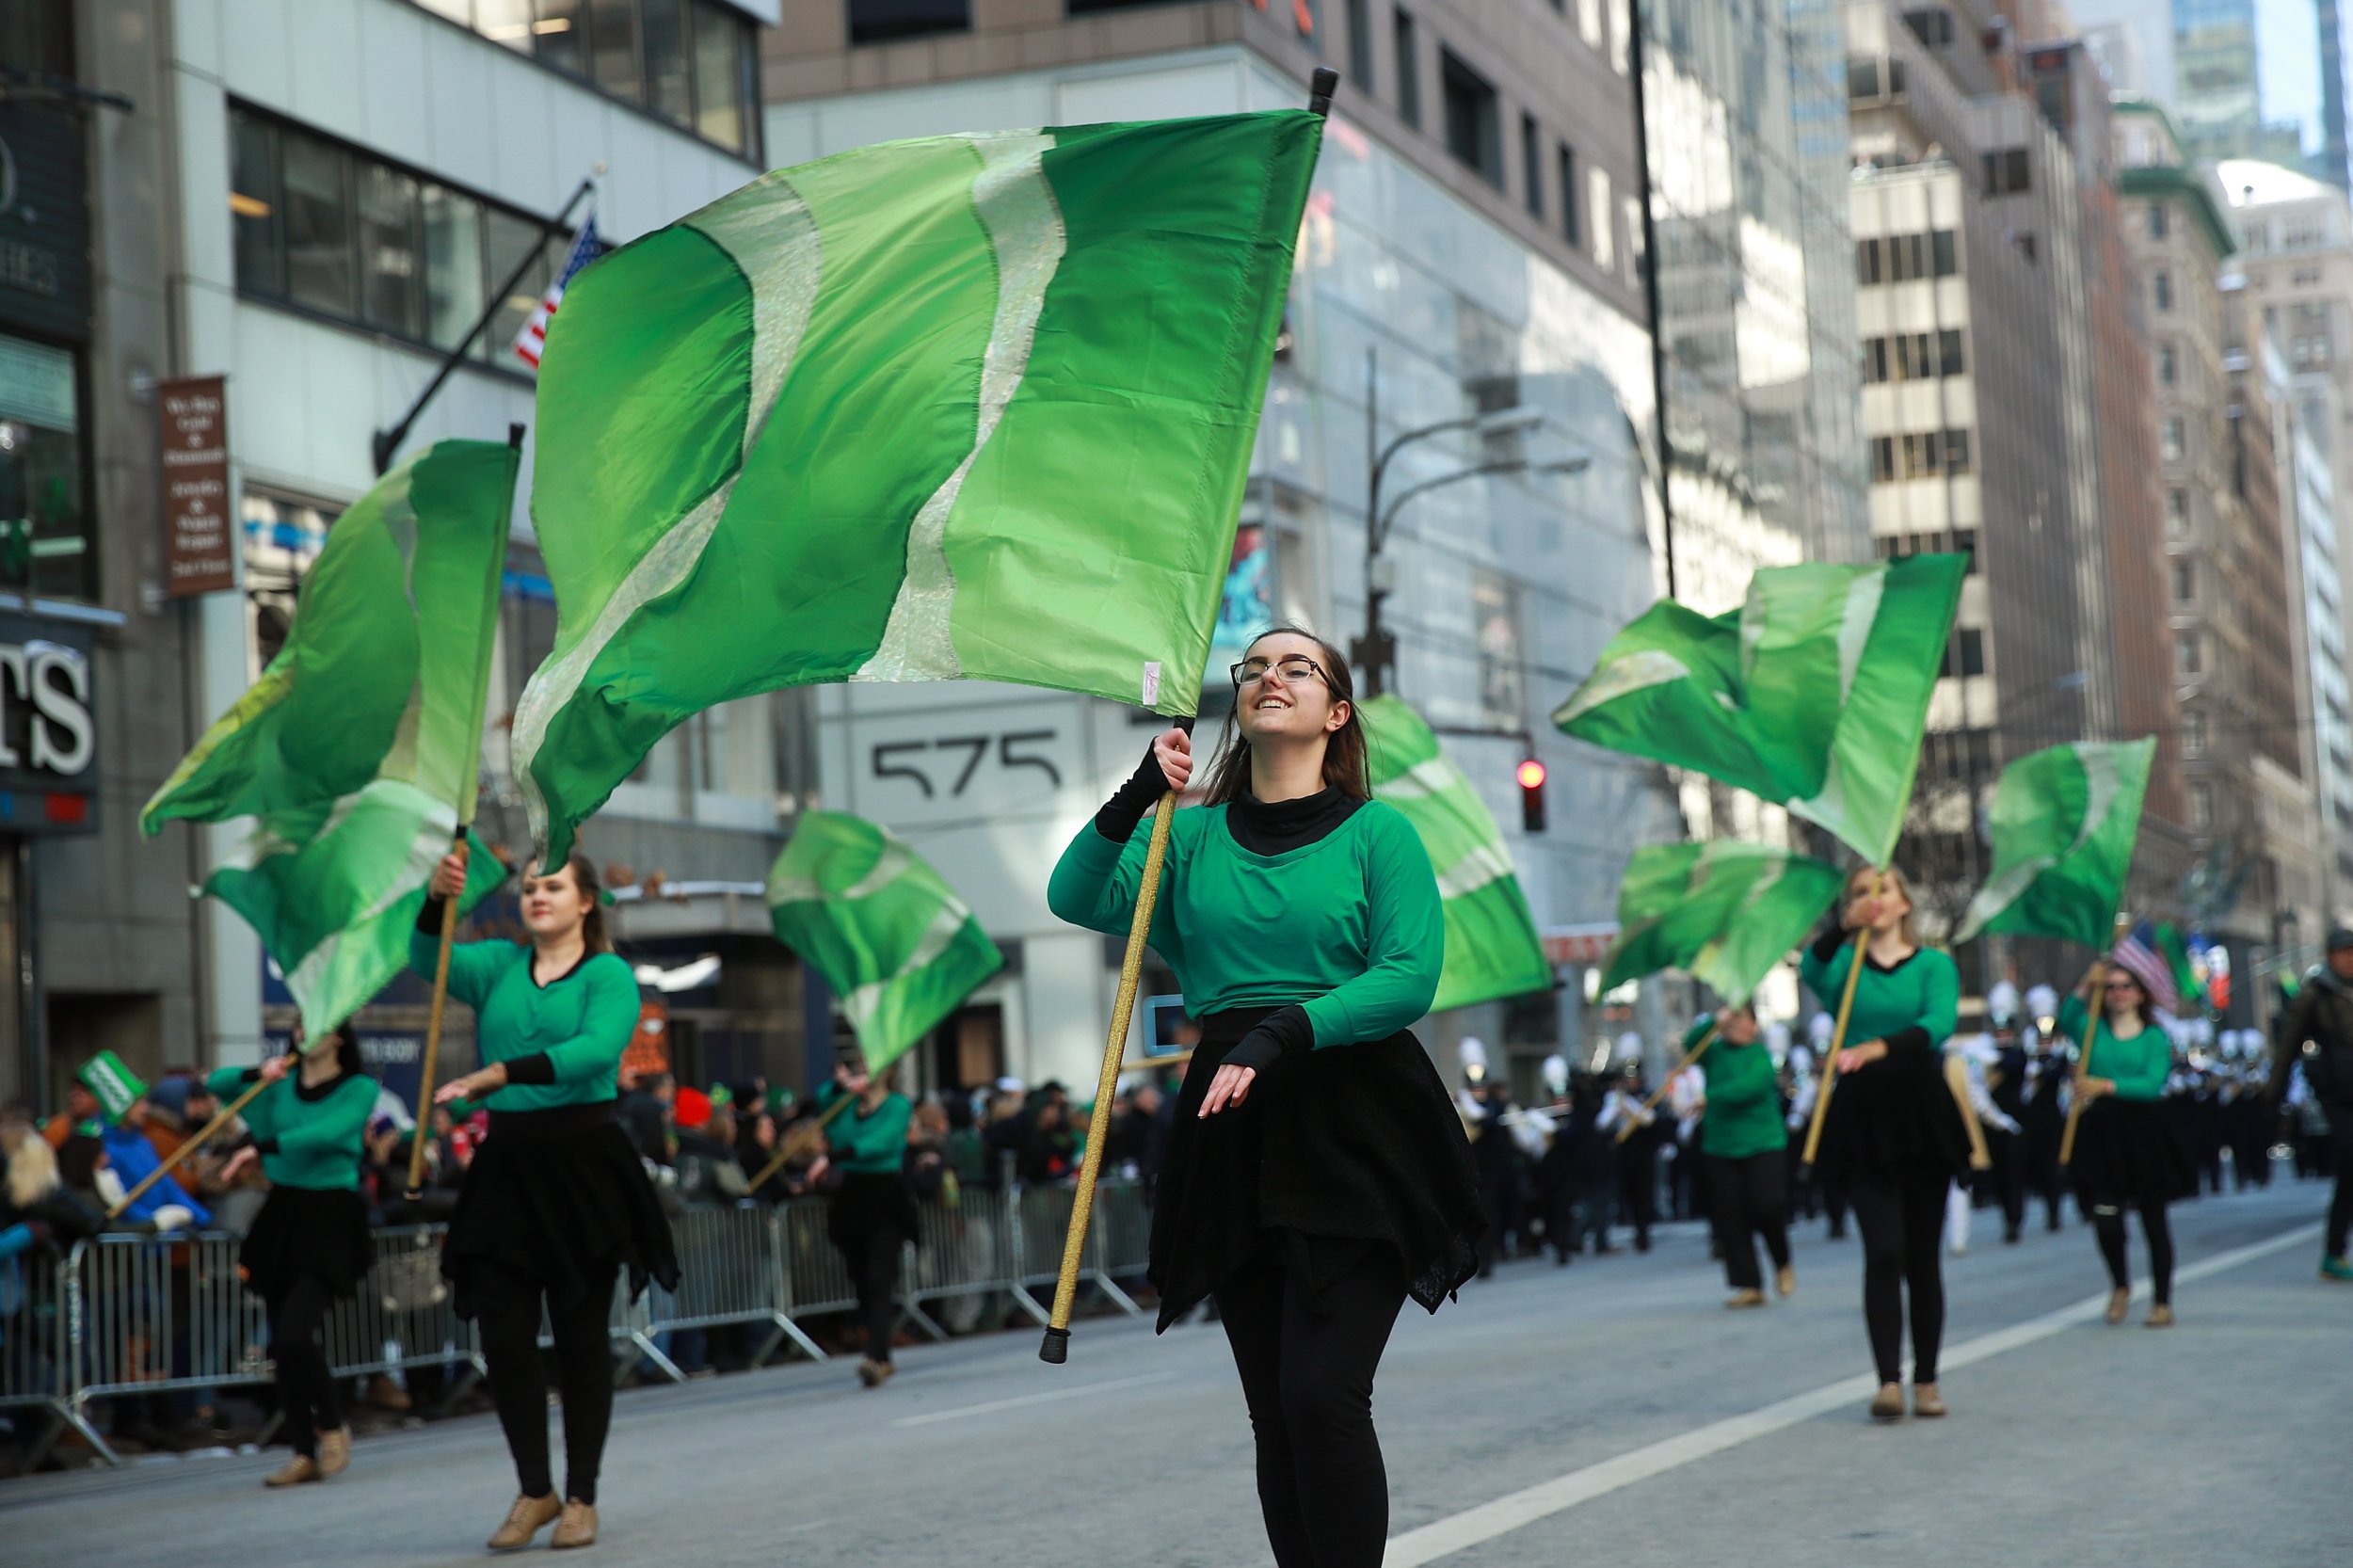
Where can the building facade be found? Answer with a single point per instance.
(1473, 243)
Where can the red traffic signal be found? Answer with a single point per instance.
(1530, 774)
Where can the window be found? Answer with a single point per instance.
(2202, 805)
(44, 517)
(1948, 353)
(1862, 79)
(1964, 542)
(2185, 581)
(2177, 511)
(325, 227)
(2006, 172)
(2160, 221)
(1882, 460)
(1945, 259)
(2172, 440)
(1408, 51)
(1867, 260)
(2193, 735)
(1360, 43)
(1474, 131)
(1956, 452)
(1875, 360)
(1570, 225)
(689, 61)
(1933, 26)
(1605, 236)
(1532, 165)
(1966, 657)
(2161, 289)
(2188, 658)
(2168, 367)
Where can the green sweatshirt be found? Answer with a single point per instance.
(864, 1144)
(562, 1041)
(2139, 1066)
(1914, 1006)
(306, 1141)
(1743, 1098)
(1348, 927)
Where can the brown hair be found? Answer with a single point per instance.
(585, 877)
(2145, 1010)
(1347, 765)
(1891, 880)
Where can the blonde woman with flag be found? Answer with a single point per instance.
(555, 1202)
(1317, 1175)
(1893, 1134)
(2127, 1154)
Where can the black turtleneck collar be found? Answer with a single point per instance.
(1274, 827)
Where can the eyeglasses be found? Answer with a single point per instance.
(2123, 986)
(1292, 670)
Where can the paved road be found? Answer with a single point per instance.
(1610, 1413)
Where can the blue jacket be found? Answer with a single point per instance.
(131, 1157)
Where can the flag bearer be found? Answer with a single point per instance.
(2127, 1154)
(1743, 1142)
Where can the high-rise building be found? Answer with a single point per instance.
(2199, 60)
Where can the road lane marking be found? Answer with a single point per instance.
(1457, 1532)
(926, 1420)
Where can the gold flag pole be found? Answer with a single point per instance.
(1668, 1082)
(776, 1162)
(1056, 1348)
(2083, 1062)
(227, 1114)
(1837, 1042)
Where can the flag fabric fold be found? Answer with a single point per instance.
(356, 750)
(965, 407)
(1492, 947)
(897, 945)
(1813, 694)
(2064, 819)
(1725, 912)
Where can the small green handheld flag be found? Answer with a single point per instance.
(1724, 911)
(1491, 948)
(2064, 819)
(889, 934)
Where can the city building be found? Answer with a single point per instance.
(1474, 244)
(2307, 420)
(316, 200)
(2199, 60)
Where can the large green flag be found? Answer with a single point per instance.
(2064, 819)
(1813, 694)
(977, 406)
(1725, 912)
(1492, 948)
(889, 934)
(354, 751)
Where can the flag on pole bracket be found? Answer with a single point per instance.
(2064, 822)
(533, 339)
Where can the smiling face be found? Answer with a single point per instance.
(1740, 1029)
(1293, 699)
(553, 905)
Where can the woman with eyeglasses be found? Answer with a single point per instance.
(2126, 1156)
(1317, 1175)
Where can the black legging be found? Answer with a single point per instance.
(1308, 1377)
(1903, 1224)
(1749, 1195)
(874, 1273)
(2107, 1221)
(509, 1325)
(306, 1389)
(2341, 1206)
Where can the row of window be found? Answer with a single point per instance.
(1920, 455)
(1901, 258)
(689, 61)
(1913, 355)
(1960, 541)
(328, 228)
(888, 20)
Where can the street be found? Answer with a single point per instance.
(1610, 1412)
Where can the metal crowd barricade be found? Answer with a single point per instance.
(731, 1270)
(36, 1347)
(1041, 1221)
(155, 1315)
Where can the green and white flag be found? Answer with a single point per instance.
(968, 407)
(353, 752)
(1813, 694)
(1724, 912)
(2064, 819)
(1491, 948)
(889, 934)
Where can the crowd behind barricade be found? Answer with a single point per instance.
(62, 1179)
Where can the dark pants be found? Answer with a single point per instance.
(306, 1390)
(2009, 1179)
(1637, 1185)
(1747, 1196)
(1308, 1377)
(1903, 1224)
(2341, 1206)
(875, 1269)
(2107, 1220)
(509, 1325)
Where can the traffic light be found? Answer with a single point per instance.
(1531, 776)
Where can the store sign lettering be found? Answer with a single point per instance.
(45, 709)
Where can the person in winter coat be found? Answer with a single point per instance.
(2318, 1037)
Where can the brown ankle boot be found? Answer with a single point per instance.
(1888, 1403)
(335, 1451)
(2120, 1303)
(578, 1527)
(527, 1518)
(297, 1470)
(1927, 1400)
(2161, 1316)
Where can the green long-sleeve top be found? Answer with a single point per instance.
(1348, 927)
(863, 1144)
(2139, 1067)
(308, 1137)
(1743, 1097)
(1914, 1006)
(562, 1041)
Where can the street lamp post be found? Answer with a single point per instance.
(1375, 652)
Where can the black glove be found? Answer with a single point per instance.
(1120, 814)
(1279, 1031)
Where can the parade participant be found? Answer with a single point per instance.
(1743, 1142)
(2318, 1037)
(872, 1217)
(309, 1246)
(2046, 1120)
(1639, 1133)
(1972, 1059)
(2006, 1134)
(1894, 1133)
(555, 1204)
(1317, 1175)
(2126, 1156)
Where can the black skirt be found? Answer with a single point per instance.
(2129, 1152)
(1895, 1122)
(1334, 1150)
(868, 1205)
(321, 1231)
(558, 1199)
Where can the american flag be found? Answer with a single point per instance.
(533, 339)
(2139, 952)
